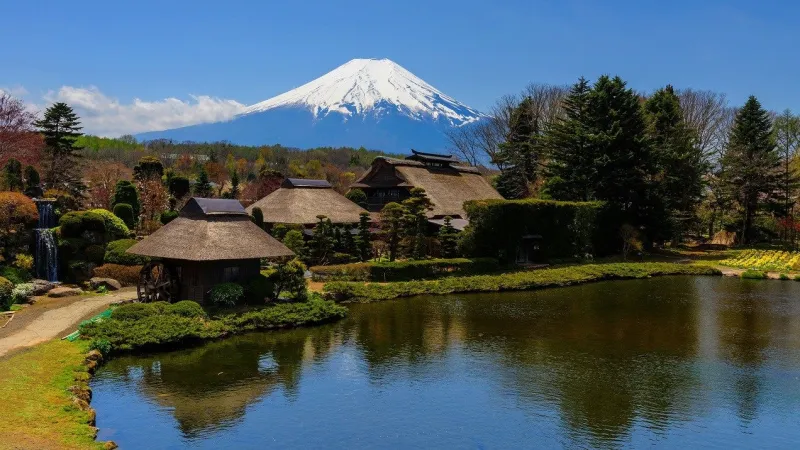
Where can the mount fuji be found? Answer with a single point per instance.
(374, 103)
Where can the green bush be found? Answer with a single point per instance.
(187, 308)
(517, 281)
(74, 224)
(784, 276)
(166, 330)
(168, 216)
(752, 274)
(137, 311)
(567, 229)
(95, 254)
(404, 270)
(226, 294)
(260, 288)
(290, 278)
(115, 226)
(21, 293)
(125, 213)
(101, 345)
(15, 275)
(115, 254)
(6, 300)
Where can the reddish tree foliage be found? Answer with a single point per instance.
(18, 138)
(102, 178)
(267, 182)
(218, 174)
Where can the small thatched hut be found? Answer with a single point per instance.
(212, 241)
(447, 182)
(299, 202)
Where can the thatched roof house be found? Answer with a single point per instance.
(446, 181)
(212, 241)
(300, 201)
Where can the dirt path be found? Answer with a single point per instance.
(51, 318)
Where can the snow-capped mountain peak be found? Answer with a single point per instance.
(363, 86)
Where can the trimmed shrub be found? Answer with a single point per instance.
(567, 229)
(357, 196)
(125, 213)
(186, 308)
(74, 224)
(260, 288)
(6, 287)
(23, 261)
(290, 278)
(125, 192)
(226, 294)
(258, 217)
(95, 254)
(168, 216)
(115, 254)
(127, 275)
(404, 270)
(15, 275)
(752, 274)
(517, 281)
(150, 330)
(115, 226)
(101, 345)
(137, 311)
(18, 217)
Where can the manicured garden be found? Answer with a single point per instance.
(765, 260)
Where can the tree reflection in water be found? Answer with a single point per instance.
(604, 359)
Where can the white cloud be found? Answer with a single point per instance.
(106, 116)
(15, 91)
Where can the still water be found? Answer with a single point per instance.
(667, 362)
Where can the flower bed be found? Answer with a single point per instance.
(767, 260)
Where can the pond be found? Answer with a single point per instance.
(674, 361)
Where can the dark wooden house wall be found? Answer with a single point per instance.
(196, 278)
(383, 188)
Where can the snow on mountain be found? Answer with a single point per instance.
(374, 103)
(363, 85)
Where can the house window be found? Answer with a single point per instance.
(230, 274)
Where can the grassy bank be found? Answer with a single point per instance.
(517, 281)
(137, 327)
(37, 409)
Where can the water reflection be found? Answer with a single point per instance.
(678, 360)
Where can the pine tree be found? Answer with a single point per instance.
(364, 238)
(322, 241)
(33, 182)
(234, 185)
(519, 156)
(751, 164)
(61, 129)
(448, 239)
(677, 184)
(392, 227)
(787, 139)
(258, 217)
(416, 221)
(568, 144)
(202, 186)
(294, 240)
(12, 175)
(149, 167)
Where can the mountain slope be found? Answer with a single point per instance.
(364, 102)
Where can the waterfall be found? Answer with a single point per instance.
(46, 256)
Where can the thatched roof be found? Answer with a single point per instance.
(447, 187)
(211, 230)
(300, 203)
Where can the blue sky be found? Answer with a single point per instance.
(475, 51)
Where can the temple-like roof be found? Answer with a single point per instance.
(210, 230)
(305, 183)
(432, 157)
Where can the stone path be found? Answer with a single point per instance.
(51, 318)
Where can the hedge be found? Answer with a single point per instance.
(115, 226)
(127, 275)
(115, 253)
(403, 270)
(567, 229)
(517, 281)
(138, 327)
(74, 224)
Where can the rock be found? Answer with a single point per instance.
(110, 445)
(41, 287)
(64, 291)
(92, 419)
(94, 355)
(81, 393)
(91, 366)
(109, 283)
(81, 404)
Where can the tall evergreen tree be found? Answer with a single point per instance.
(392, 224)
(12, 175)
(234, 184)
(364, 239)
(125, 193)
(787, 139)
(568, 144)
(751, 164)
(416, 222)
(519, 156)
(202, 186)
(448, 239)
(677, 183)
(33, 182)
(321, 245)
(60, 127)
